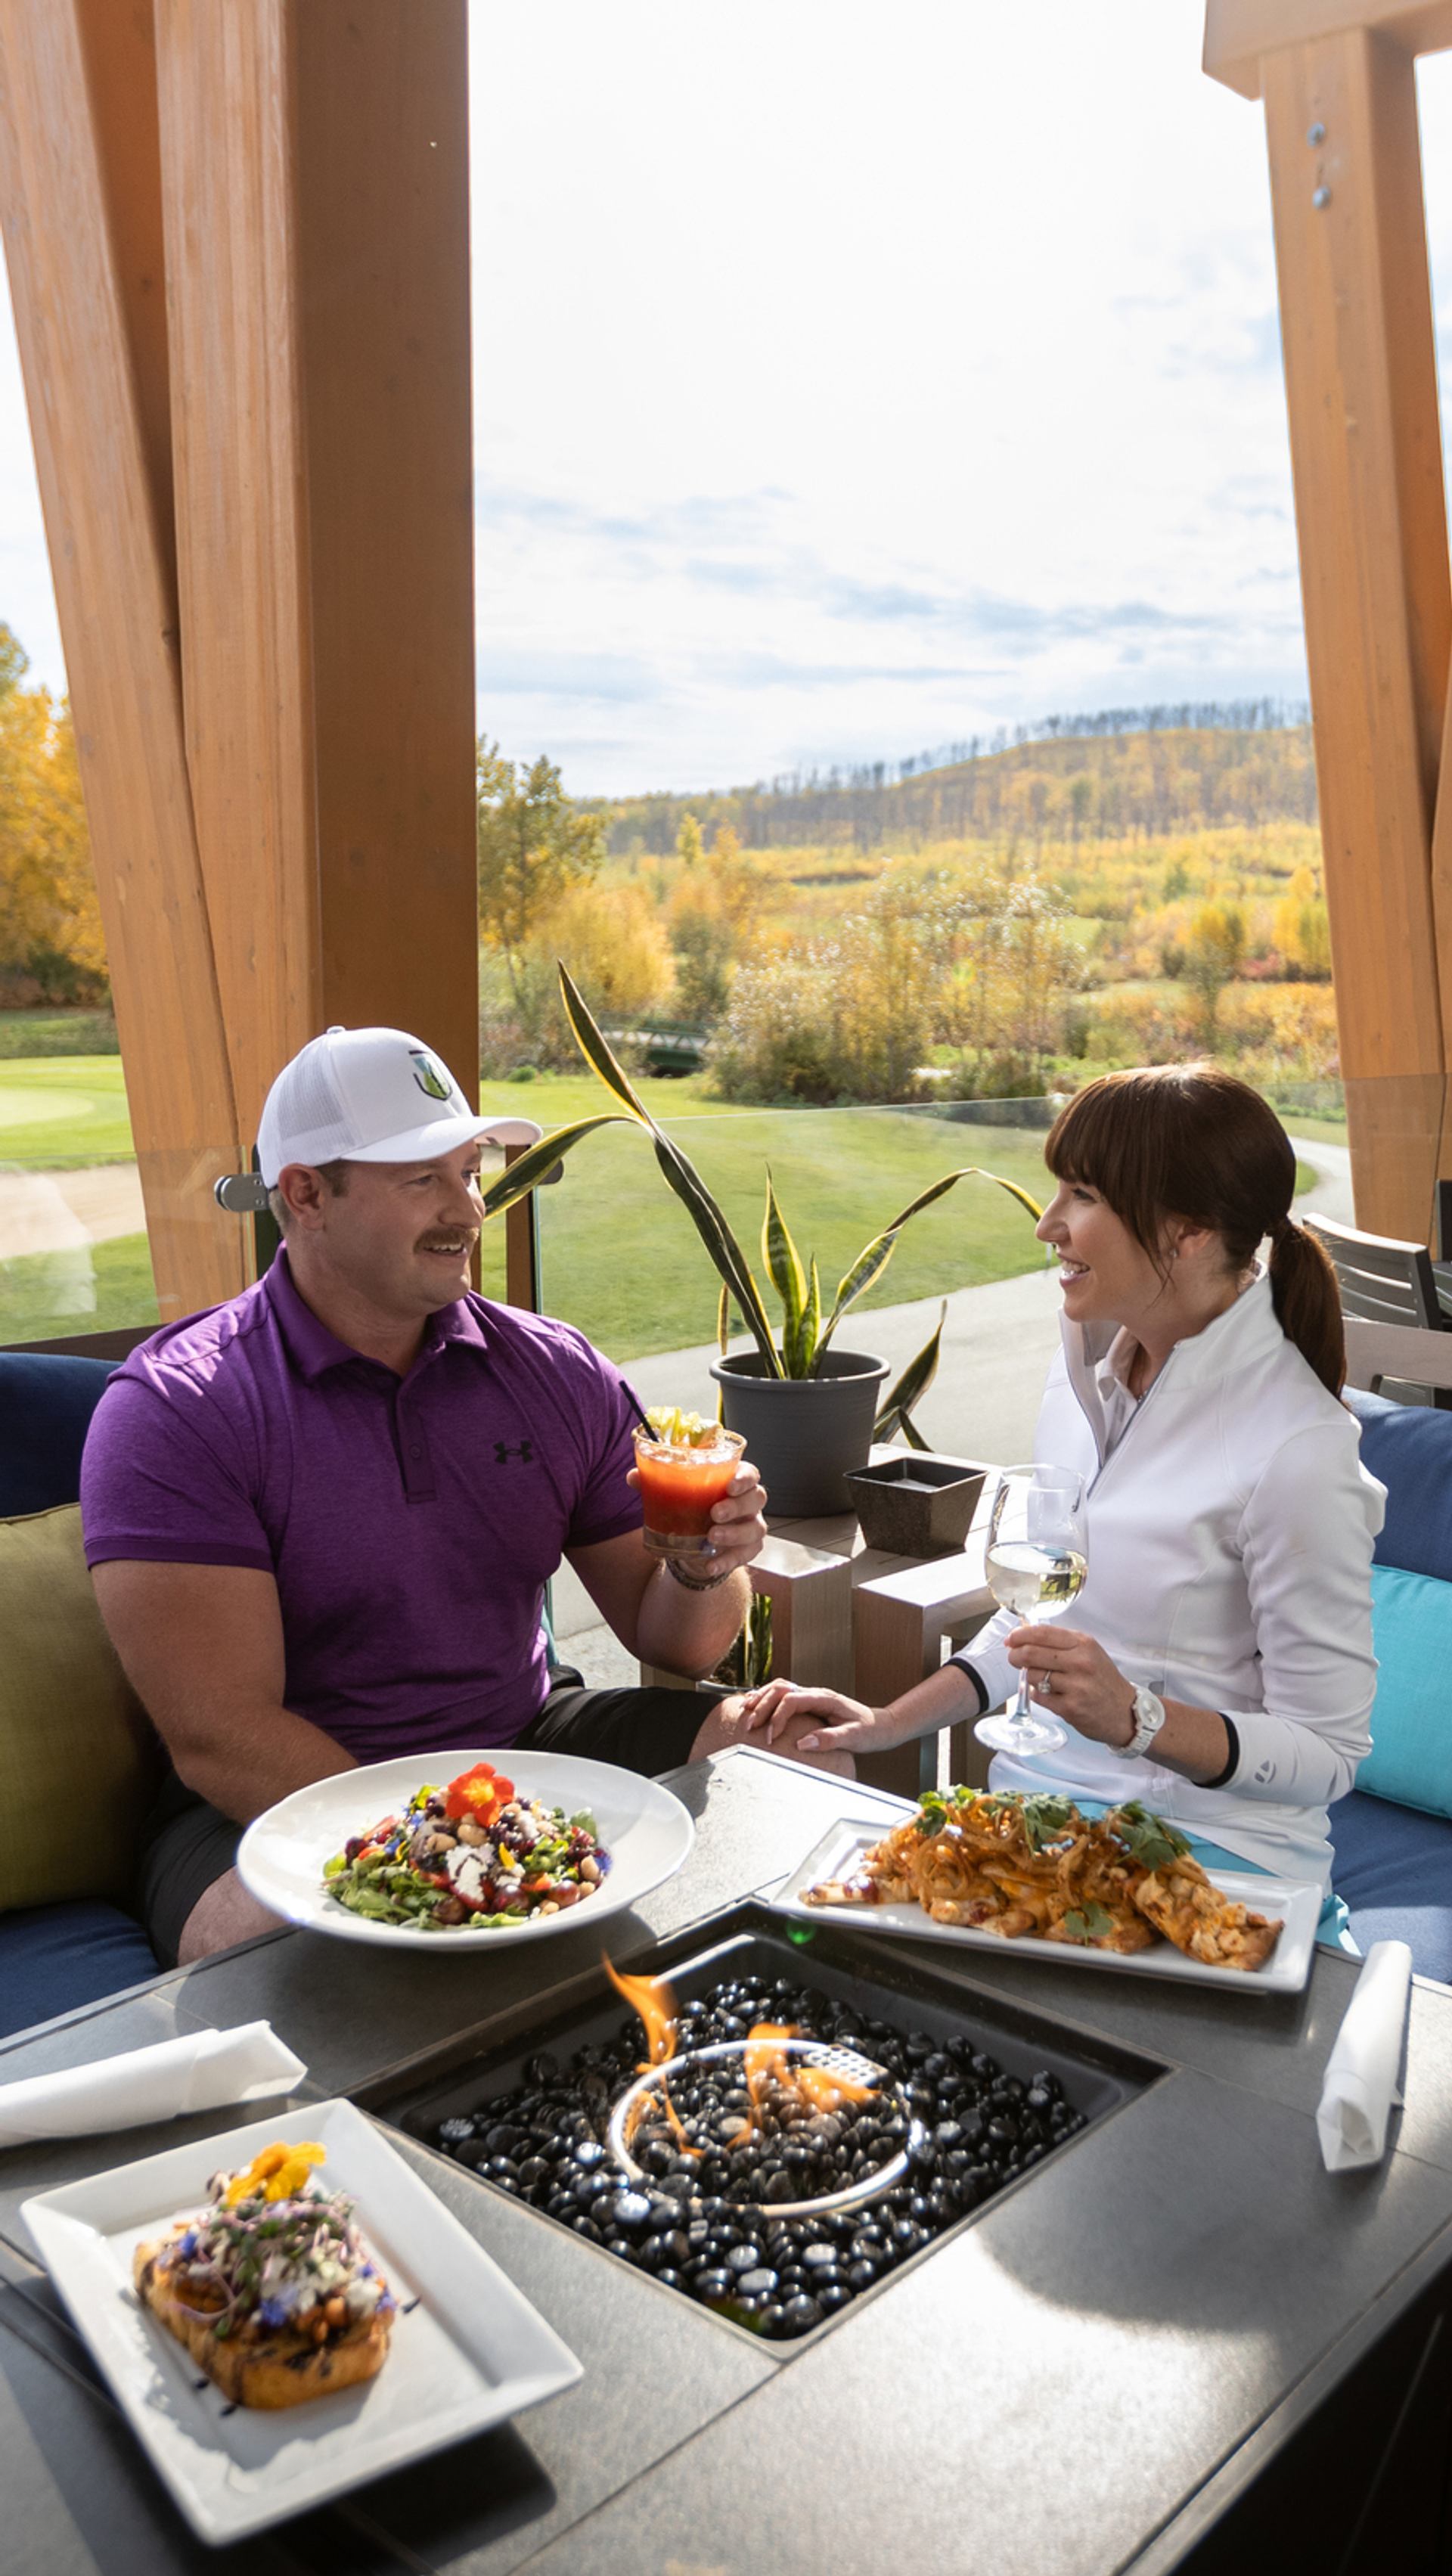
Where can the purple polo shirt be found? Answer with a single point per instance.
(411, 1523)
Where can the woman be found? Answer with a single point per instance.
(1221, 1664)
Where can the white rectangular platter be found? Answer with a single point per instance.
(467, 2349)
(839, 1855)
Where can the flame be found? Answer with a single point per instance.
(826, 2091)
(652, 1998)
(767, 2060)
(655, 2002)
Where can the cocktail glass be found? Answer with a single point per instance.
(679, 1482)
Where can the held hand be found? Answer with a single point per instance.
(850, 1725)
(1071, 1675)
(738, 1521)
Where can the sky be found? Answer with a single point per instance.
(854, 379)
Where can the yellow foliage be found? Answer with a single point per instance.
(49, 917)
(613, 945)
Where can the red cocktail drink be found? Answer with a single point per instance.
(679, 1482)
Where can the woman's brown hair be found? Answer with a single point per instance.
(1189, 1141)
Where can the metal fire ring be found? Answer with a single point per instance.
(847, 2062)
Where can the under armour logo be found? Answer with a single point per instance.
(503, 1453)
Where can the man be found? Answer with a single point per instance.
(320, 1517)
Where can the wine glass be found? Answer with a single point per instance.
(1036, 1560)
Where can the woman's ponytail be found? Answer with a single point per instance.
(1307, 1301)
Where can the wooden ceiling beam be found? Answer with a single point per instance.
(1240, 33)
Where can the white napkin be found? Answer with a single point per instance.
(1362, 2070)
(160, 2083)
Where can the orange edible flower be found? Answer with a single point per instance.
(479, 1793)
(279, 2172)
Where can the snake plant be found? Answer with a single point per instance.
(805, 1336)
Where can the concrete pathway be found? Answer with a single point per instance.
(54, 1211)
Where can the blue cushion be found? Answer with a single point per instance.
(1409, 1447)
(1411, 1724)
(55, 1957)
(1393, 1868)
(47, 1399)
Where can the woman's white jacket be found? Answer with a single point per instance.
(1230, 1537)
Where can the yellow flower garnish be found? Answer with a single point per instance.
(278, 2172)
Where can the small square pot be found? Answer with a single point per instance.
(916, 1505)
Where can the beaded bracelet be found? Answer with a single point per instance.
(695, 1583)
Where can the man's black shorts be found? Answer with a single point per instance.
(187, 1845)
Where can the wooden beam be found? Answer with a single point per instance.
(79, 201)
(1238, 33)
(1371, 516)
(315, 184)
(382, 143)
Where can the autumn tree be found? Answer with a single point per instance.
(1302, 929)
(690, 848)
(714, 908)
(50, 923)
(611, 939)
(533, 846)
(1213, 951)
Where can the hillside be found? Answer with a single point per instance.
(1066, 788)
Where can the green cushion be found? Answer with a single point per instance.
(1411, 1724)
(78, 1759)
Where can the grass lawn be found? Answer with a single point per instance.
(43, 1296)
(621, 1259)
(620, 1256)
(59, 1113)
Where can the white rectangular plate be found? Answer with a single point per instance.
(467, 2349)
(839, 1855)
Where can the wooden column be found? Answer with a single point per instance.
(80, 203)
(1339, 82)
(238, 241)
(1362, 392)
(315, 176)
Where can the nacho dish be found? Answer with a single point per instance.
(474, 1853)
(1019, 1865)
(269, 2288)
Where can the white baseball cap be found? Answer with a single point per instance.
(363, 1096)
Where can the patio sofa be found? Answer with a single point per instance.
(78, 1761)
(1393, 1835)
(77, 1757)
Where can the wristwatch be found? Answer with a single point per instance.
(1149, 1717)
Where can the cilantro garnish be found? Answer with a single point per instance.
(1146, 1837)
(1088, 1922)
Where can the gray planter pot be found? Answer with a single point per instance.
(917, 1504)
(804, 1434)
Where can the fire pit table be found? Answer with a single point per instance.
(1140, 2327)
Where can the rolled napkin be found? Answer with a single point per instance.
(1362, 2070)
(195, 2073)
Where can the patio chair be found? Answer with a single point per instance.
(1383, 1281)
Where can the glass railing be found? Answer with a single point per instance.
(620, 1257)
(73, 1249)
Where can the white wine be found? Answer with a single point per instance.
(1025, 1578)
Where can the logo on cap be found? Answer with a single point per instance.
(427, 1075)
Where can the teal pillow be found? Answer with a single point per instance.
(1410, 1760)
